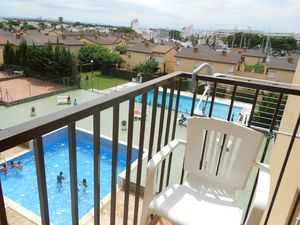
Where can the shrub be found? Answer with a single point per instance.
(258, 68)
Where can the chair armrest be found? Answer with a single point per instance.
(163, 153)
(152, 167)
(261, 196)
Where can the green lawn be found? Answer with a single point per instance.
(99, 82)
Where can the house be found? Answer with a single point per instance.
(165, 56)
(253, 56)
(139, 53)
(98, 40)
(189, 59)
(282, 69)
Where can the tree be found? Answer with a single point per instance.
(125, 30)
(283, 43)
(77, 23)
(28, 27)
(175, 34)
(1, 25)
(42, 25)
(8, 54)
(98, 54)
(121, 49)
(54, 24)
(150, 66)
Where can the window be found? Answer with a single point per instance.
(271, 74)
(148, 57)
(129, 55)
(159, 59)
(178, 62)
(230, 69)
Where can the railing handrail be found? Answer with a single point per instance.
(21, 133)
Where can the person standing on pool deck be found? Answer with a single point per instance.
(59, 179)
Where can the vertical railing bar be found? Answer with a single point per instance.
(167, 134)
(128, 160)
(174, 129)
(140, 159)
(153, 121)
(276, 113)
(253, 107)
(73, 172)
(176, 109)
(41, 179)
(115, 138)
(182, 173)
(3, 218)
(194, 101)
(262, 159)
(96, 127)
(296, 205)
(162, 115)
(212, 100)
(232, 102)
(285, 162)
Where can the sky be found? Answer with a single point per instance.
(263, 15)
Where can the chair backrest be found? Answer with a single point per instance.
(230, 165)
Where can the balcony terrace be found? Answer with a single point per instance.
(158, 125)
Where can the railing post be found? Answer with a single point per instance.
(73, 172)
(3, 218)
(41, 179)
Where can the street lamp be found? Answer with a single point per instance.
(92, 75)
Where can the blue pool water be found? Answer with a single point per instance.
(185, 103)
(21, 185)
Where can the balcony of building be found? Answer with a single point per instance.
(263, 105)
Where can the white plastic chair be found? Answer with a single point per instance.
(207, 195)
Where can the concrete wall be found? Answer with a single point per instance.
(291, 182)
(189, 65)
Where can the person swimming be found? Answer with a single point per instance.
(59, 179)
(83, 184)
(16, 165)
(4, 168)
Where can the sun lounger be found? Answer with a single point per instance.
(63, 99)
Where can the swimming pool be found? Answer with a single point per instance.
(220, 110)
(21, 185)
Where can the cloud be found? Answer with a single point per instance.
(268, 15)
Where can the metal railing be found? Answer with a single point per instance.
(166, 117)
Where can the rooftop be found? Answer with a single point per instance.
(207, 54)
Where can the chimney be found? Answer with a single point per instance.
(195, 50)
(63, 37)
(96, 36)
(146, 44)
(290, 59)
(47, 34)
(224, 53)
(289, 53)
(18, 36)
(162, 42)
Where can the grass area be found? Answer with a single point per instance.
(100, 81)
(258, 68)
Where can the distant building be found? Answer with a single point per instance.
(135, 25)
(187, 31)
